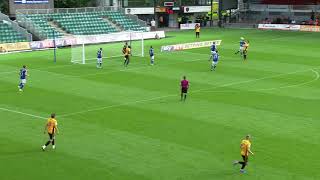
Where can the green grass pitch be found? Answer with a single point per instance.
(128, 124)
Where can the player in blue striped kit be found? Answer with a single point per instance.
(213, 49)
(215, 60)
(151, 53)
(23, 77)
(242, 43)
(99, 58)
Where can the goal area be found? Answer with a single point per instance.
(84, 51)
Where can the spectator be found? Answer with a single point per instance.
(312, 16)
(179, 20)
(157, 36)
(153, 25)
(161, 21)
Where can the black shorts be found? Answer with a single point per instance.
(197, 33)
(51, 136)
(126, 56)
(245, 158)
(184, 90)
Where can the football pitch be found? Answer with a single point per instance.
(129, 124)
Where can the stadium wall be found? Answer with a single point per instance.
(90, 39)
(15, 5)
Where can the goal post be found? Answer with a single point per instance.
(85, 50)
(78, 54)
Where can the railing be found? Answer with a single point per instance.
(284, 8)
(81, 10)
(29, 24)
(68, 10)
(150, 3)
(134, 18)
(16, 27)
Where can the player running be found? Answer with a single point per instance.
(99, 58)
(184, 88)
(213, 49)
(245, 50)
(215, 61)
(151, 53)
(245, 151)
(124, 51)
(242, 43)
(23, 77)
(127, 56)
(52, 129)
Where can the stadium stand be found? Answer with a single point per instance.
(279, 11)
(46, 25)
(41, 24)
(291, 2)
(123, 21)
(9, 35)
(10, 32)
(91, 23)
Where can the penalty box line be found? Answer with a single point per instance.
(156, 98)
(23, 113)
(172, 95)
(109, 72)
(40, 117)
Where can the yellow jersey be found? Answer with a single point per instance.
(245, 146)
(198, 29)
(128, 51)
(52, 125)
(246, 46)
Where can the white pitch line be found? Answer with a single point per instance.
(72, 64)
(115, 71)
(172, 95)
(102, 73)
(9, 72)
(137, 68)
(295, 85)
(275, 88)
(19, 112)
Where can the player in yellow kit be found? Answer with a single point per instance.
(51, 128)
(245, 50)
(197, 30)
(245, 151)
(127, 56)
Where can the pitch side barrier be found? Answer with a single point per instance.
(74, 40)
(193, 45)
(289, 27)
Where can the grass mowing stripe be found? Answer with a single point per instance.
(19, 112)
(172, 95)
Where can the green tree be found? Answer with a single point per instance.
(74, 3)
(4, 6)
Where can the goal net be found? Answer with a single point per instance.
(86, 52)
